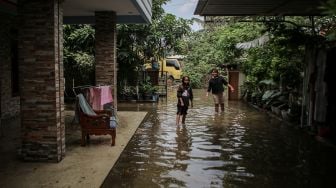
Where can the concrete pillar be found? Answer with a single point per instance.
(41, 80)
(105, 51)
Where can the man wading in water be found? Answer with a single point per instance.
(216, 87)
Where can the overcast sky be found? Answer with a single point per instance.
(184, 9)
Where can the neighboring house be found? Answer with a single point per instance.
(31, 60)
(319, 104)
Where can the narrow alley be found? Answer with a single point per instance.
(242, 147)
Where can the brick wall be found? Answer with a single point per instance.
(41, 80)
(10, 104)
(105, 50)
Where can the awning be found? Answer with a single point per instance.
(127, 11)
(83, 11)
(258, 7)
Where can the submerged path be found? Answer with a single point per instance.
(241, 147)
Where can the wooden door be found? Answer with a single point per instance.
(234, 82)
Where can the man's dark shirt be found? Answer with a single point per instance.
(216, 84)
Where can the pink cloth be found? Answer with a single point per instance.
(100, 96)
(96, 98)
(106, 95)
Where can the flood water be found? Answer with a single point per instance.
(241, 147)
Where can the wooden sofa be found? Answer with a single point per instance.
(93, 122)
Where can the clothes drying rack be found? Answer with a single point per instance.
(82, 89)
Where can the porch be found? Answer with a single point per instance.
(31, 64)
(82, 167)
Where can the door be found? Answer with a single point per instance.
(234, 82)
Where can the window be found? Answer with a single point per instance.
(172, 63)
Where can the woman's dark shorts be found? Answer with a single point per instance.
(182, 110)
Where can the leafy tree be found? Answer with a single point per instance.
(327, 23)
(212, 48)
(136, 43)
(78, 56)
(159, 38)
(139, 43)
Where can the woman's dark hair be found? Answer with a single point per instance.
(215, 70)
(183, 78)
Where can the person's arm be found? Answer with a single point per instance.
(179, 95)
(231, 87)
(191, 95)
(181, 101)
(209, 88)
(227, 84)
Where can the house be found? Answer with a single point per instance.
(31, 59)
(319, 104)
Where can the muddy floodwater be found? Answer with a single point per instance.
(241, 147)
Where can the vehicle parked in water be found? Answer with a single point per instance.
(170, 65)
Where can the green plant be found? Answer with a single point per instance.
(148, 88)
(128, 90)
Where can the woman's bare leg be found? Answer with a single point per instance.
(178, 119)
(222, 107)
(216, 108)
(183, 118)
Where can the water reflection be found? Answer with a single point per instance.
(238, 148)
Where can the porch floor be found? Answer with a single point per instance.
(82, 166)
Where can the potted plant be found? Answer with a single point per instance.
(149, 92)
(127, 92)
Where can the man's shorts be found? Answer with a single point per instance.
(182, 110)
(218, 98)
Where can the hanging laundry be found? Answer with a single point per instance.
(100, 96)
(95, 98)
(106, 95)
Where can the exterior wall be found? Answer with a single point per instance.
(41, 80)
(239, 79)
(321, 103)
(242, 78)
(106, 62)
(10, 104)
(234, 82)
